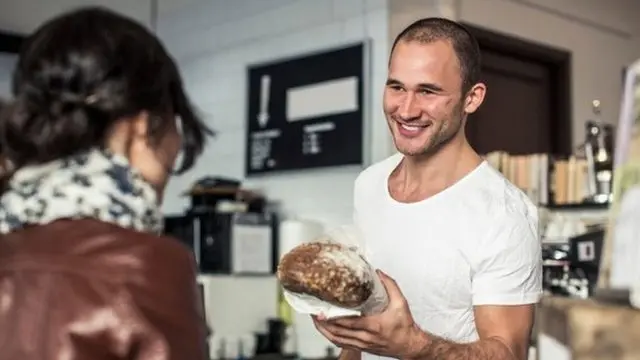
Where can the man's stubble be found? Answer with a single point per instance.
(446, 134)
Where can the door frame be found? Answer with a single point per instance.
(558, 62)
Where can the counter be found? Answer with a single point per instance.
(577, 329)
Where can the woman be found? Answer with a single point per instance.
(92, 138)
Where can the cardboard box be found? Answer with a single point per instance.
(575, 329)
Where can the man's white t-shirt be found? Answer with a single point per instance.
(475, 243)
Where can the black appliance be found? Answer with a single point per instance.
(181, 228)
(218, 206)
(572, 269)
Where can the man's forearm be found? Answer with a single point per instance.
(436, 348)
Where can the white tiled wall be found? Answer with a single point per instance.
(214, 41)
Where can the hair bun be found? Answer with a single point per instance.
(57, 101)
(49, 125)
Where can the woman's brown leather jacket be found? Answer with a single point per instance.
(84, 289)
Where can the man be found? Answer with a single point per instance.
(459, 239)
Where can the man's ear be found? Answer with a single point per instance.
(474, 98)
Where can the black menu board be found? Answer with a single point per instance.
(307, 112)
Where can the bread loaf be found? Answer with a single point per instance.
(331, 272)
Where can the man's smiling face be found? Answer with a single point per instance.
(423, 100)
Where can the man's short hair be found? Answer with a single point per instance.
(465, 46)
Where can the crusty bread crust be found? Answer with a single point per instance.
(314, 269)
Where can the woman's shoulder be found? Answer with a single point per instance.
(96, 248)
(79, 268)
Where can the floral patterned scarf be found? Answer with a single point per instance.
(95, 184)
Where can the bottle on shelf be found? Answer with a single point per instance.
(601, 156)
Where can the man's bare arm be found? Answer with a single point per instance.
(486, 349)
(349, 354)
(504, 335)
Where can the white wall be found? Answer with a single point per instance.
(23, 16)
(214, 41)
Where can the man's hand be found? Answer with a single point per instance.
(391, 333)
(503, 330)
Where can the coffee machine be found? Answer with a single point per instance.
(571, 269)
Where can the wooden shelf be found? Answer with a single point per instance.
(577, 207)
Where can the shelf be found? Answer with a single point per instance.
(577, 207)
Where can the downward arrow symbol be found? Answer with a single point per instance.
(265, 87)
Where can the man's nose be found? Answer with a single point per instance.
(408, 109)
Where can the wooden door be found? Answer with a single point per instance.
(516, 115)
(527, 105)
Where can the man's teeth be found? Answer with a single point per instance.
(411, 128)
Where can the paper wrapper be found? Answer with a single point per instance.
(352, 257)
